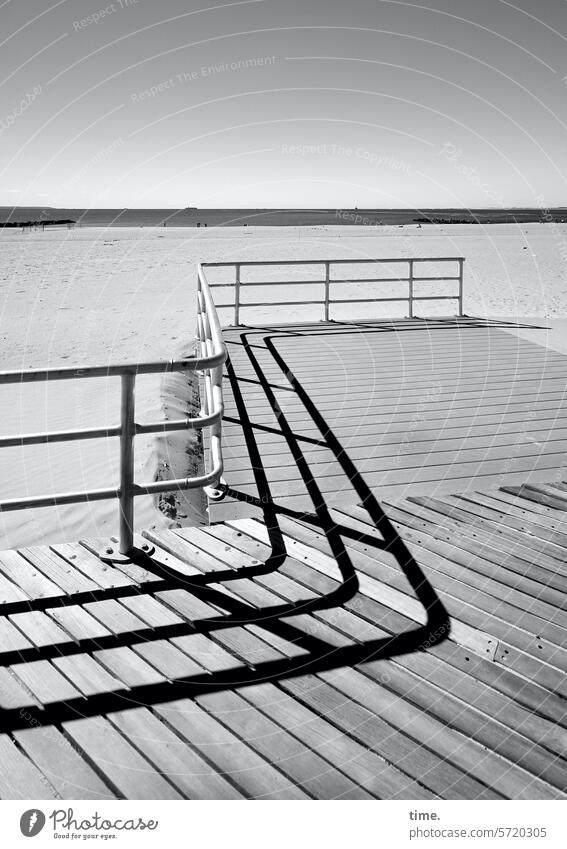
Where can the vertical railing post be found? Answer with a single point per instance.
(127, 430)
(410, 282)
(237, 295)
(327, 289)
(461, 261)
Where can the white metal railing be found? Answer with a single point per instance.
(209, 362)
(328, 280)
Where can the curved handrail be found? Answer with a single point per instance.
(209, 361)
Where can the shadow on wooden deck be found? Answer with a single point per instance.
(399, 650)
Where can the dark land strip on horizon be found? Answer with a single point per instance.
(194, 217)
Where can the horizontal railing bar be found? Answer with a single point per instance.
(63, 498)
(244, 283)
(72, 373)
(58, 500)
(178, 424)
(59, 436)
(277, 304)
(179, 483)
(385, 300)
(370, 300)
(332, 261)
(343, 301)
(436, 297)
(104, 432)
(212, 352)
(385, 279)
(266, 262)
(273, 283)
(369, 280)
(419, 279)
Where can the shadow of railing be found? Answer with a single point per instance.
(321, 655)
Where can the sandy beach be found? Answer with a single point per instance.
(98, 295)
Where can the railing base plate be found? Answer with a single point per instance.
(111, 553)
(216, 493)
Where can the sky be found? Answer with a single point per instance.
(266, 103)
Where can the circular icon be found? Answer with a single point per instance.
(31, 822)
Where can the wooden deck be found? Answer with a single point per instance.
(346, 628)
(400, 406)
(412, 650)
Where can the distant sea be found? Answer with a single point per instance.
(193, 217)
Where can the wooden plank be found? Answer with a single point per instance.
(475, 724)
(222, 553)
(504, 627)
(420, 763)
(361, 395)
(410, 519)
(45, 681)
(507, 521)
(497, 772)
(509, 505)
(189, 606)
(187, 554)
(88, 676)
(70, 775)
(124, 769)
(115, 616)
(247, 645)
(540, 702)
(468, 636)
(377, 464)
(127, 666)
(529, 749)
(498, 709)
(13, 694)
(287, 648)
(456, 352)
(41, 630)
(30, 580)
(553, 517)
(410, 408)
(149, 610)
(78, 623)
(518, 609)
(482, 724)
(538, 495)
(10, 592)
(446, 473)
(551, 554)
(304, 767)
(167, 659)
(19, 777)
(335, 378)
(89, 564)
(375, 774)
(253, 775)
(414, 442)
(11, 639)
(184, 768)
(58, 570)
(206, 653)
(477, 572)
(391, 431)
(329, 373)
(134, 573)
(506, 570)
(514, 368)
